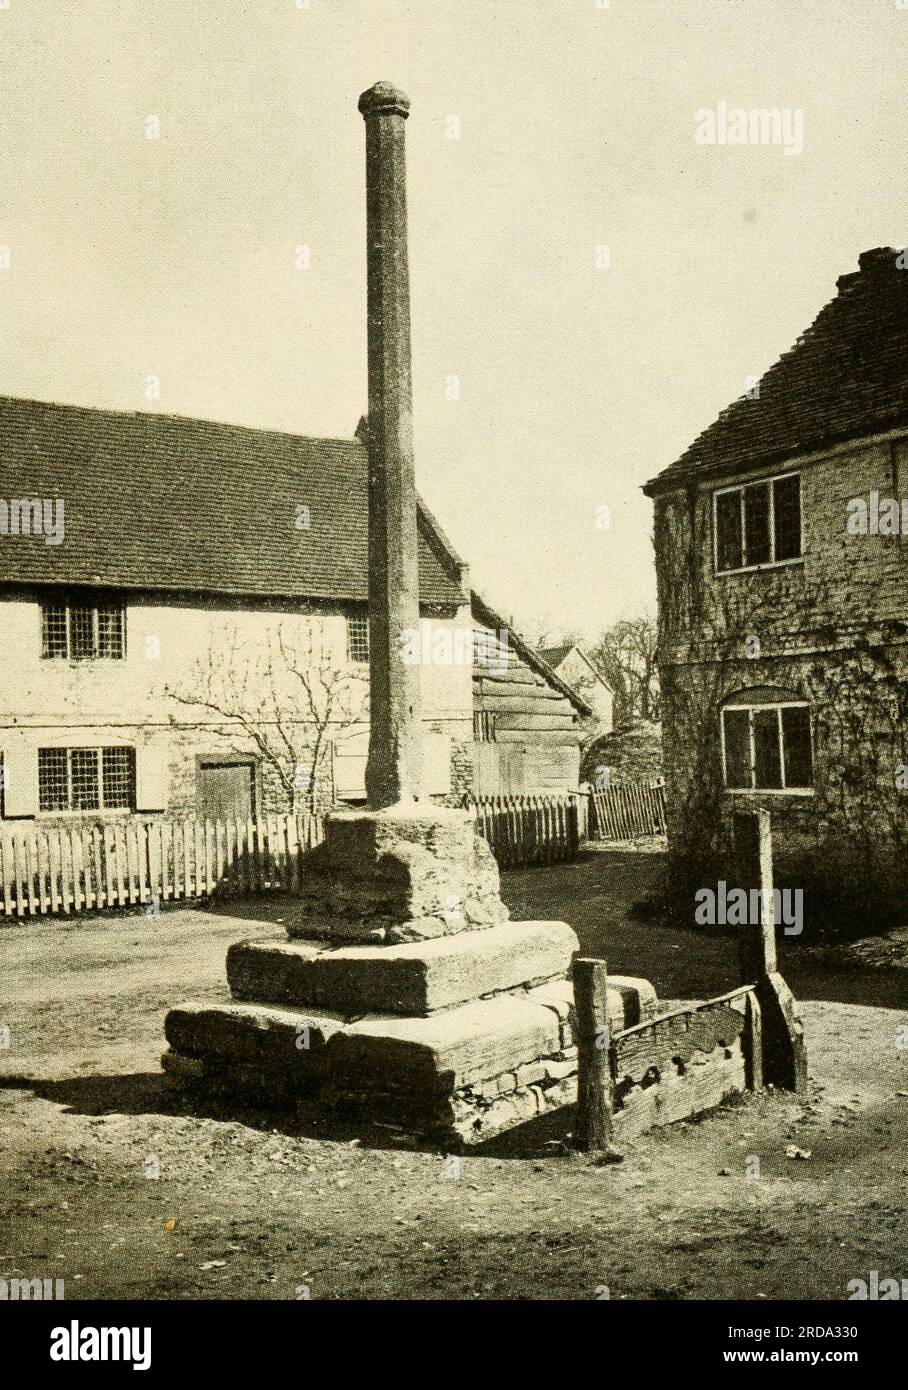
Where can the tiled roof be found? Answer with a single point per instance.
(166, 502)
(555, 655)
(845, 378)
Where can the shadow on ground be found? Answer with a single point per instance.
(597, 895)
(147, 1093)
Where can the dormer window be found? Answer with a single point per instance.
(758, 524)
(83, 631)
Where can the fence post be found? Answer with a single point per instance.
(573, 808)
(593, 1126)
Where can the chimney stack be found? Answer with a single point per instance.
(394, 766)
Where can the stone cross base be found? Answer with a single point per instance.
(404, 995)
(452, 1040)
(401, 874)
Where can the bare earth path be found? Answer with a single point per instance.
(256, 1211)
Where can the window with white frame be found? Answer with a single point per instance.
(86, 779)
(767, 746)
(83, 631)
(358, 639)
(758, 523)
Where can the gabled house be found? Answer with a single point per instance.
(782, 567)
(183, 612)
(571, 662)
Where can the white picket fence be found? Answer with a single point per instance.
(529, 829)
(64, 869)
(56, 868)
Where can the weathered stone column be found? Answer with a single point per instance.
(421, 1005)
(394, 766)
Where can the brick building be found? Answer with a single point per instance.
(182, 600)
(784, 620)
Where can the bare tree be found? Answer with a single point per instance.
(288, 703)
(625, 655)
(540, 630)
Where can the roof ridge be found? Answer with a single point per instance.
(121, 414)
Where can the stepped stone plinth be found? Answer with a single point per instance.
(439, 1025)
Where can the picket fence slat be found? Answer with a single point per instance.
(52, 869)
(528, 829)
(627, 811)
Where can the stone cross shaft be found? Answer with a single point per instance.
(394, 766)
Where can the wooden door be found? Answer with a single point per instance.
(226, 790)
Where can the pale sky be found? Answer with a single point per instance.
(176, 257)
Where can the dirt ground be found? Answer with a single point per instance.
(245, 1206)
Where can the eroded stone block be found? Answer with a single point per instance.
(412, 979)
(286, 1038)
(444, 1051)
(399, 874)
(638, 998)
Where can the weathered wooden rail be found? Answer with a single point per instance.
(693, 1058)
(627, 811)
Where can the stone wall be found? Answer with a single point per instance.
(833, 629)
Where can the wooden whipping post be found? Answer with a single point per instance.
(593, 1127)
(775, 1036)
(753, 858)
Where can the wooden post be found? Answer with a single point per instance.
(784, 1053)
(593, 1127)
(752, 1043)
(777, 1024)
(573, 811)
(753, 857)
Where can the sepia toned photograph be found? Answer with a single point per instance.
(454, 717)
